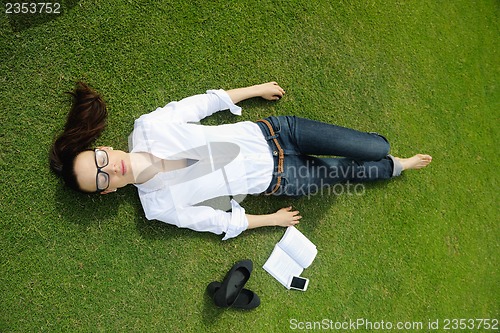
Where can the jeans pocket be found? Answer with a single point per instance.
(289, 188)
(275, 123)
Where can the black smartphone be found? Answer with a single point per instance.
(298, 283)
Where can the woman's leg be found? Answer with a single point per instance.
(364, 155)
(308, 174)
(318, 138)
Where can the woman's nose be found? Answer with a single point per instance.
(111, 168)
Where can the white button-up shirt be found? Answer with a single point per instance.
(229, 159)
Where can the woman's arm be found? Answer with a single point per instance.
(284, 217)
(270, 91)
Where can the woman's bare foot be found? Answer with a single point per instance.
(418, 161)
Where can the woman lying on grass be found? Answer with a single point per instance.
(177, 164)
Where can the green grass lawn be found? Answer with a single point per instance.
(421, 248)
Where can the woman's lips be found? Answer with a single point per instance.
(124, 168)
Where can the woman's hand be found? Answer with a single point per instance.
(285, 217)
(270, 91)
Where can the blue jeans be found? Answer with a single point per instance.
(359, 156)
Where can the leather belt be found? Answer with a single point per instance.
(280, 153)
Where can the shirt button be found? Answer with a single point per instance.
(275, 153)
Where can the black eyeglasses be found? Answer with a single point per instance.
(102, 178)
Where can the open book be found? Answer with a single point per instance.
(290, 256)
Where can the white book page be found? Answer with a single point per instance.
(281, 266)
(298, 247)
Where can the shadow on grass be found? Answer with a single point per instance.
(314, 209)
(85, 209)
(34, 15)
(311, 209)
(211, 312)
(158, 230)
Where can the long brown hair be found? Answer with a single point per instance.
(86, 120)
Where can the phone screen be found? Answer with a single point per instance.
(298, 283)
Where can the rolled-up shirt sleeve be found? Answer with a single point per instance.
(238, 223)
(202, 218)
(197, 107)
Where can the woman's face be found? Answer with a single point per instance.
(103, 170)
